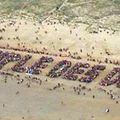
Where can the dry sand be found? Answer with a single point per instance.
(39, 102)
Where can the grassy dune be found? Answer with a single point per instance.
(93, 12)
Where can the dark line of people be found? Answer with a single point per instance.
(112, 78)
(45, 52)
(76, 69)
(93, 73)
(61, 69)
(6, 57)
(35, 68)
(19, 66)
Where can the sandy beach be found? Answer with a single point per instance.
(51, 69)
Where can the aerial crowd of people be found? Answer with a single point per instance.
(6, 57)
(78, 68)
(109, 80)
(62, 69)
(19, 66)
(92, 73)
(35, 68)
